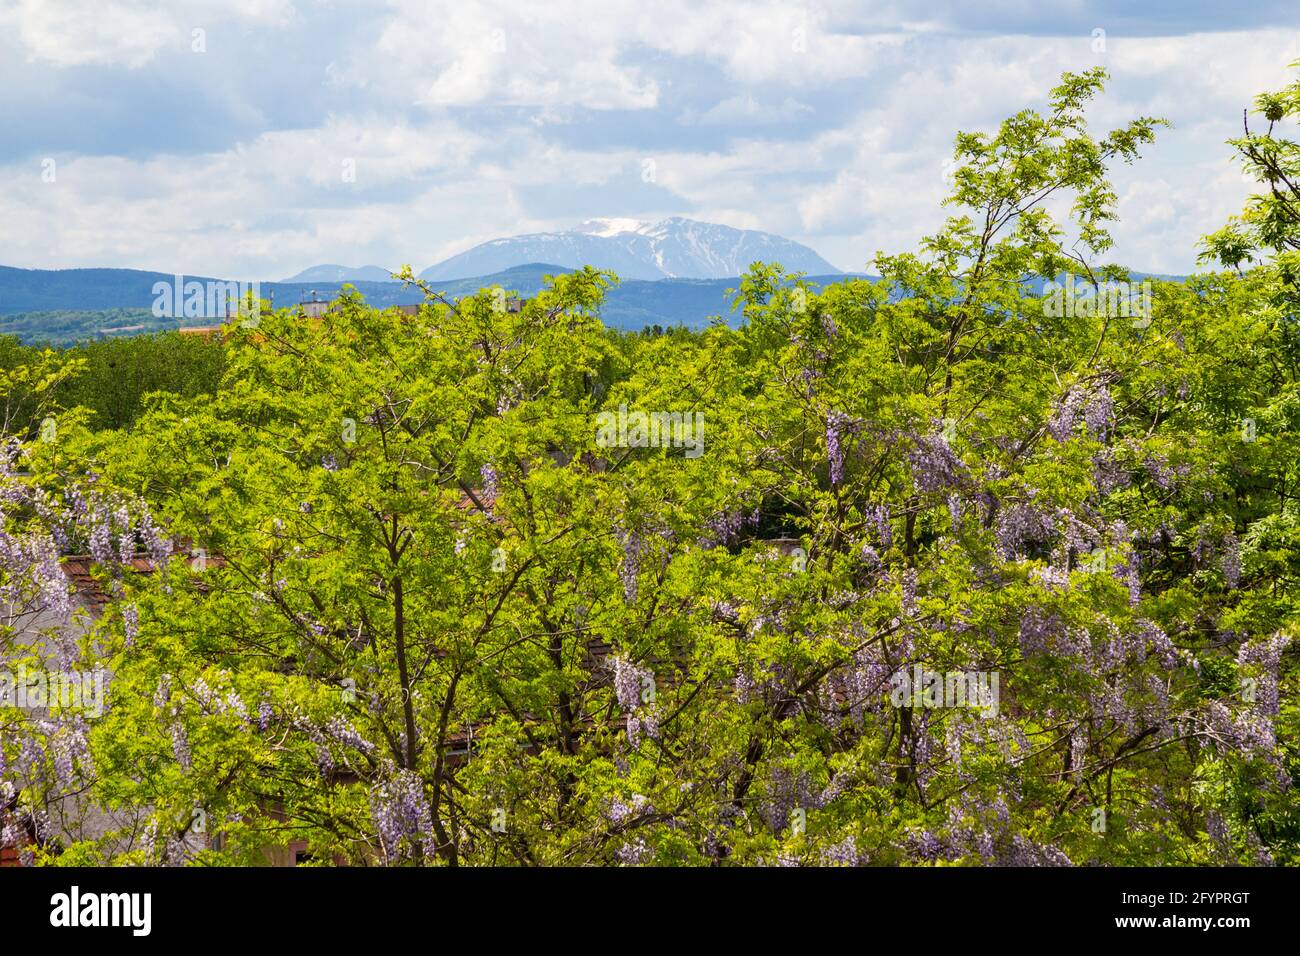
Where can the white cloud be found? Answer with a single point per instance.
(81, 32)
(458, 115)
(69, 33)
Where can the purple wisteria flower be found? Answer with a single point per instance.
(725, 528)
(1020, 525)
(489, 476)
(344, 733)
(1265, 654)
(935, 466)
(745, 687)
(620, 812)
(1078, 752)
(163, 694)
(35, 582)
(925, 846)
(1037, 628)
(627, 683)
(1094, 406)
(829, 328)
(879, 517)
(643, 723)
(630, 682)
(1127, 571)
(1162, 473)
(725, 611)
(1099, 413)
(402, 816)
(844, 853)
(908, 601)
(633, 853)
(1051, 577)
(836, 423)
(181, 745)
(155, 540)
(1025, 852)
(1152, 637)
(125, 535)
(630, 568)
(1108, 473)
(101, 538)
(1061, 425)
(1231, 561)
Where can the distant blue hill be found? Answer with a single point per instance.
(65, 305)
(333, 273)
(80, 298)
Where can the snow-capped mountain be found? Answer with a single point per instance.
(635, 249)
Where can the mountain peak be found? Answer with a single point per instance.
(674, 247)
(336, 273)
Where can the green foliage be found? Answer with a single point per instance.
(109, 378)
(118, 373)
(1270, 224)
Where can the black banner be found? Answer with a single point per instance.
(135, 906)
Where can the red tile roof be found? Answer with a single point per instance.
(77, 568)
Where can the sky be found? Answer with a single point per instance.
(253, 138)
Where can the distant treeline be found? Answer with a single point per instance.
(116, 373)
(66, 327)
